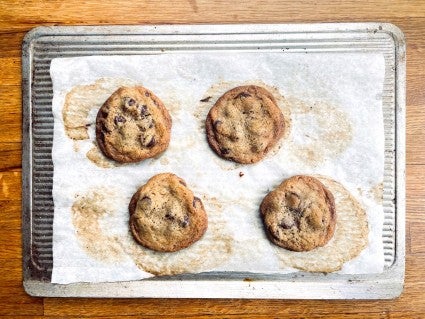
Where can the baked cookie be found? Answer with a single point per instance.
(132, 125)
(299, 214)
(244, 124)
(165, 215)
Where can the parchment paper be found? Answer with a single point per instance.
(335, 107)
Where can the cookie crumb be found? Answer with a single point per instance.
(206, 99)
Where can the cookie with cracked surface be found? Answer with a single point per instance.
(132, 125)
(244, 124)
(299, 215)
(165, 215)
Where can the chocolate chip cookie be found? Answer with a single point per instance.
(165, 215)
(132, 125)
(244, 124)
(299, 214)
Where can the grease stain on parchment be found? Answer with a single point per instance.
(78, 111)
(92, 209)
(213, 249)
(87, 213)
(82, 99)
(96, 156)
(321, 131)
(349, 239)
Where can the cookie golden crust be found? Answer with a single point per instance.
(132, 125)
(165, 215)
(299, 215)
(244, 124)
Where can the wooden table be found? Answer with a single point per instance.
(18, 17)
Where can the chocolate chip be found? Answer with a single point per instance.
(145, 202)
(131, 102)
(152, 123)
(119, 119)
(104, 111)
(286, 225)
(288, 222)
(242, 94)
(206, 99)
(144, 110)
(182, 182)
(296, 212)
(225, 151)
(195, 199)
(241, 174)
(147, 94)
(185, 221)
(217, 123)
(169, 215)
(152, 142)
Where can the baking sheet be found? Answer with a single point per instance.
(44, 43)
(334, 104)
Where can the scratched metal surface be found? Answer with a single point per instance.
(43, 44)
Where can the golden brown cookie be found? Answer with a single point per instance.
(299, 214)
(165, 215)
(132, 125)
(244, 124)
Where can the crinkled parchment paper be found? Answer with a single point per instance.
(335, 129)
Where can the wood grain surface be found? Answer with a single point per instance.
(18, 17)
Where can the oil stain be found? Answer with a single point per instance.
(96, 156)
(79, 104)
(87, 212)
(321, 131)
(84, 98)
(90, 210)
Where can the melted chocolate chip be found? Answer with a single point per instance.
(297, 213)
(286, 225)
(152, 142)
(206, 99)
(242, 94)
(104, 111)
(147, 94)
(144, 111)
(169, 215)
(145, 202)
(217, 123)
(195, 199)
(225, 151)
(182, 182)
(131, 102)
(185, 222)
(119, 119)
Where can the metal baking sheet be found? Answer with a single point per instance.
(42, 44)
